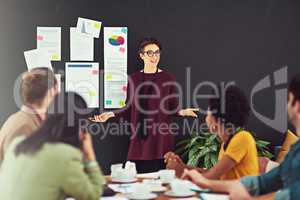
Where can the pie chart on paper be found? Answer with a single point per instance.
(116, 40)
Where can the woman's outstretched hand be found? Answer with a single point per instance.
(189, 112)
(103, 117)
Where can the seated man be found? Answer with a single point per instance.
(238, 153)
(38, 88)
(281, 183)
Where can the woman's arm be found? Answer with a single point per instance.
(215, 185)
(173, 161)
(83, 181)
(221, 168)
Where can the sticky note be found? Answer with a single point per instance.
(122, 49)
(95, 72)
(54, 57)
(40, 37)
(122, 103)
(97, 25)
(109, 77)
(92, 93)
(108, 102)
(124, 30)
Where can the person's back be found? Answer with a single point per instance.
(242, 149)
(37, 89)
(54, 172)
(20, 123)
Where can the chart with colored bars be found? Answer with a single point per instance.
(115, 66)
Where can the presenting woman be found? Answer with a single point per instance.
(151, 101)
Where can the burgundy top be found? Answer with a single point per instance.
(160, 139)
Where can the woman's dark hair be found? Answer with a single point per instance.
(148, 40)
(294, 87)
(236, 108)
(57, 127)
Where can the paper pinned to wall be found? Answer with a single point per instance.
(49, 38)
(37, 58)
(115, 66)
(83, 78)
(81, 46)
(88, 26)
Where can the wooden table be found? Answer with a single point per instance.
(160, 196)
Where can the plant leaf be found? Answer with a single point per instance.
(183, 142)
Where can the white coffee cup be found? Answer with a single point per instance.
(153, 183)
(131, 167)
(123, 175)
(167, 175)
(179, 186)
(115, 168)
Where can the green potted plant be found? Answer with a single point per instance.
(202, 150)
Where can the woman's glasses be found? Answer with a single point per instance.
(151, 53)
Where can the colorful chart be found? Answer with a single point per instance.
(116, 40)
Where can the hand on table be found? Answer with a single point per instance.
(196, 177)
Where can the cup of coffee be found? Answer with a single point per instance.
(166, 175)
(152, 183)
(179, 187)
(131, 167)
(123, 175)
(115, 170)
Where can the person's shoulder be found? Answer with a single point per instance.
(244, 136)
(13, 122)
(13, 117)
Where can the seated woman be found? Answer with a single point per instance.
(49, 164)
(238, 154)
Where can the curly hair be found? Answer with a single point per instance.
(234, 108)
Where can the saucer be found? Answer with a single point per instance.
(158, 189)
(140, 197)
(173, 194)
(165, 182)
(118, 180)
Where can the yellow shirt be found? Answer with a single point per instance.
(242, 149)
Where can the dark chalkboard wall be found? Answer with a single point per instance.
(241, 41)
